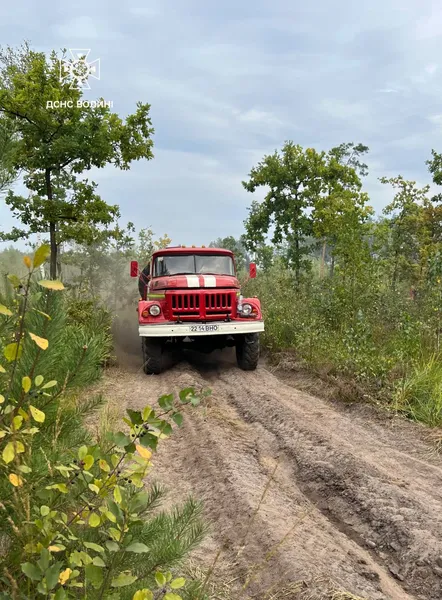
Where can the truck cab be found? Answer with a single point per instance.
(191, 298)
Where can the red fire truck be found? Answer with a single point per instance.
(191, 298)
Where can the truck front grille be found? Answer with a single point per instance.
(201, 305)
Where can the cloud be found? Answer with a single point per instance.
(229, 82)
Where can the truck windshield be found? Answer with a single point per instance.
(215, 264)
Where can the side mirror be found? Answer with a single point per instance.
(133, 268)
(252, 270)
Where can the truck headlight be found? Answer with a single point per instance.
(246, 310)
(154, 310)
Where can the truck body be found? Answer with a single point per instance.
(191, 298)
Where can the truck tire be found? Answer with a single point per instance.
(247, 351)
(152, 356)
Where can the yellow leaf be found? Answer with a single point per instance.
(5, 311)
(88, 462)
(54, 549)
(38, 380)
(27, 261)
(40, 312)
(12, 351)
(41, 255)
(64, 576)
(2, 369)
(2, 399)
(41, 342)
(17, 422)
(2, 434)
(117, 495)
(16, 480)
(144, 452)
(37, 414)
(94, 520)
(51, 284)
(8, 453)
(26, 384)
(104, 466)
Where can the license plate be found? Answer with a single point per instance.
(194, 328)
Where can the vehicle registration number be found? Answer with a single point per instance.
(203, 328)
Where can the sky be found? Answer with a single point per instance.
(229, 82)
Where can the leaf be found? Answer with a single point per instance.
(41, 255)
(5, 311)
(2, 399)
(52, 574)
(64, 576)
(41, 342)
(60, 594)
(40, 312)
(16, 480)
(172, 596)
(37, 414)
(17, 422)
(112, 546)
(2, 369)
(143, 594)
(82, 451)
(8, 453)
(95, 575)
(166, 402)
(121, 440)
(93, 546)
(94, 488)
(144, 452)
(94, 520)
(160, 579)
(39, 380)
(24, 469)
(98, 561)
(31, 571)
(178, 418)
(13, 351)
(146, 412)
(58, 548)
(26, 384)
(117, 495)
(135, 416)
(123, 580)
(103, 465)
(178, 583)
(27, 262)
(137, 547)
(88, 462)
(49, 384)
(44, 510)
(51, 284)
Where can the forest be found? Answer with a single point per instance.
(351, 297)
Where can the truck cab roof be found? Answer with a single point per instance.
(191, 250)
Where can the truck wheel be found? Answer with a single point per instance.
(152, 356)
(247, 351)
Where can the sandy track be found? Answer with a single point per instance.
(355, 499)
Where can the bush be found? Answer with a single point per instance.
(76, 519)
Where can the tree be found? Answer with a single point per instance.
(7, 140)
(294, 179)
(236, 246)
(312, 194)
(406, 226)
(58, 137)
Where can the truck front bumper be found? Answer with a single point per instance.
(199, 329)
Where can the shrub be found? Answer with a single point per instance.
(76, 519)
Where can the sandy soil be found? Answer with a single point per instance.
(355, 498)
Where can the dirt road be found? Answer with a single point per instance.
(355, 501)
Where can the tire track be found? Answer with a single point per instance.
(362, 505)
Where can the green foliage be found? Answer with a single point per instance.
(54, 144)
(76, 519)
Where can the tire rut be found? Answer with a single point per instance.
(362, 507)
